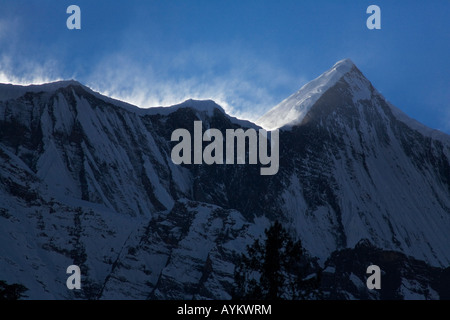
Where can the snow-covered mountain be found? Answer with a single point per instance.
(88, 180)
(355, 158)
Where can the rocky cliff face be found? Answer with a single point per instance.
(88, 180)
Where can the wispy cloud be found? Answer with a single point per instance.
(17, 66)
(29, 72)
(239, 81)
(245, 84)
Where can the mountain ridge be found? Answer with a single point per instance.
(86, 181)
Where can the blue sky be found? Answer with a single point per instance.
(246, 55)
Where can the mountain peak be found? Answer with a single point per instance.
(292, 110)
(61, 84)
(343, 65)
(206, 106)
(201, 105)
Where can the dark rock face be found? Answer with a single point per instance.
(402, 277)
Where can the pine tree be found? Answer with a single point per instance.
(275, 269)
